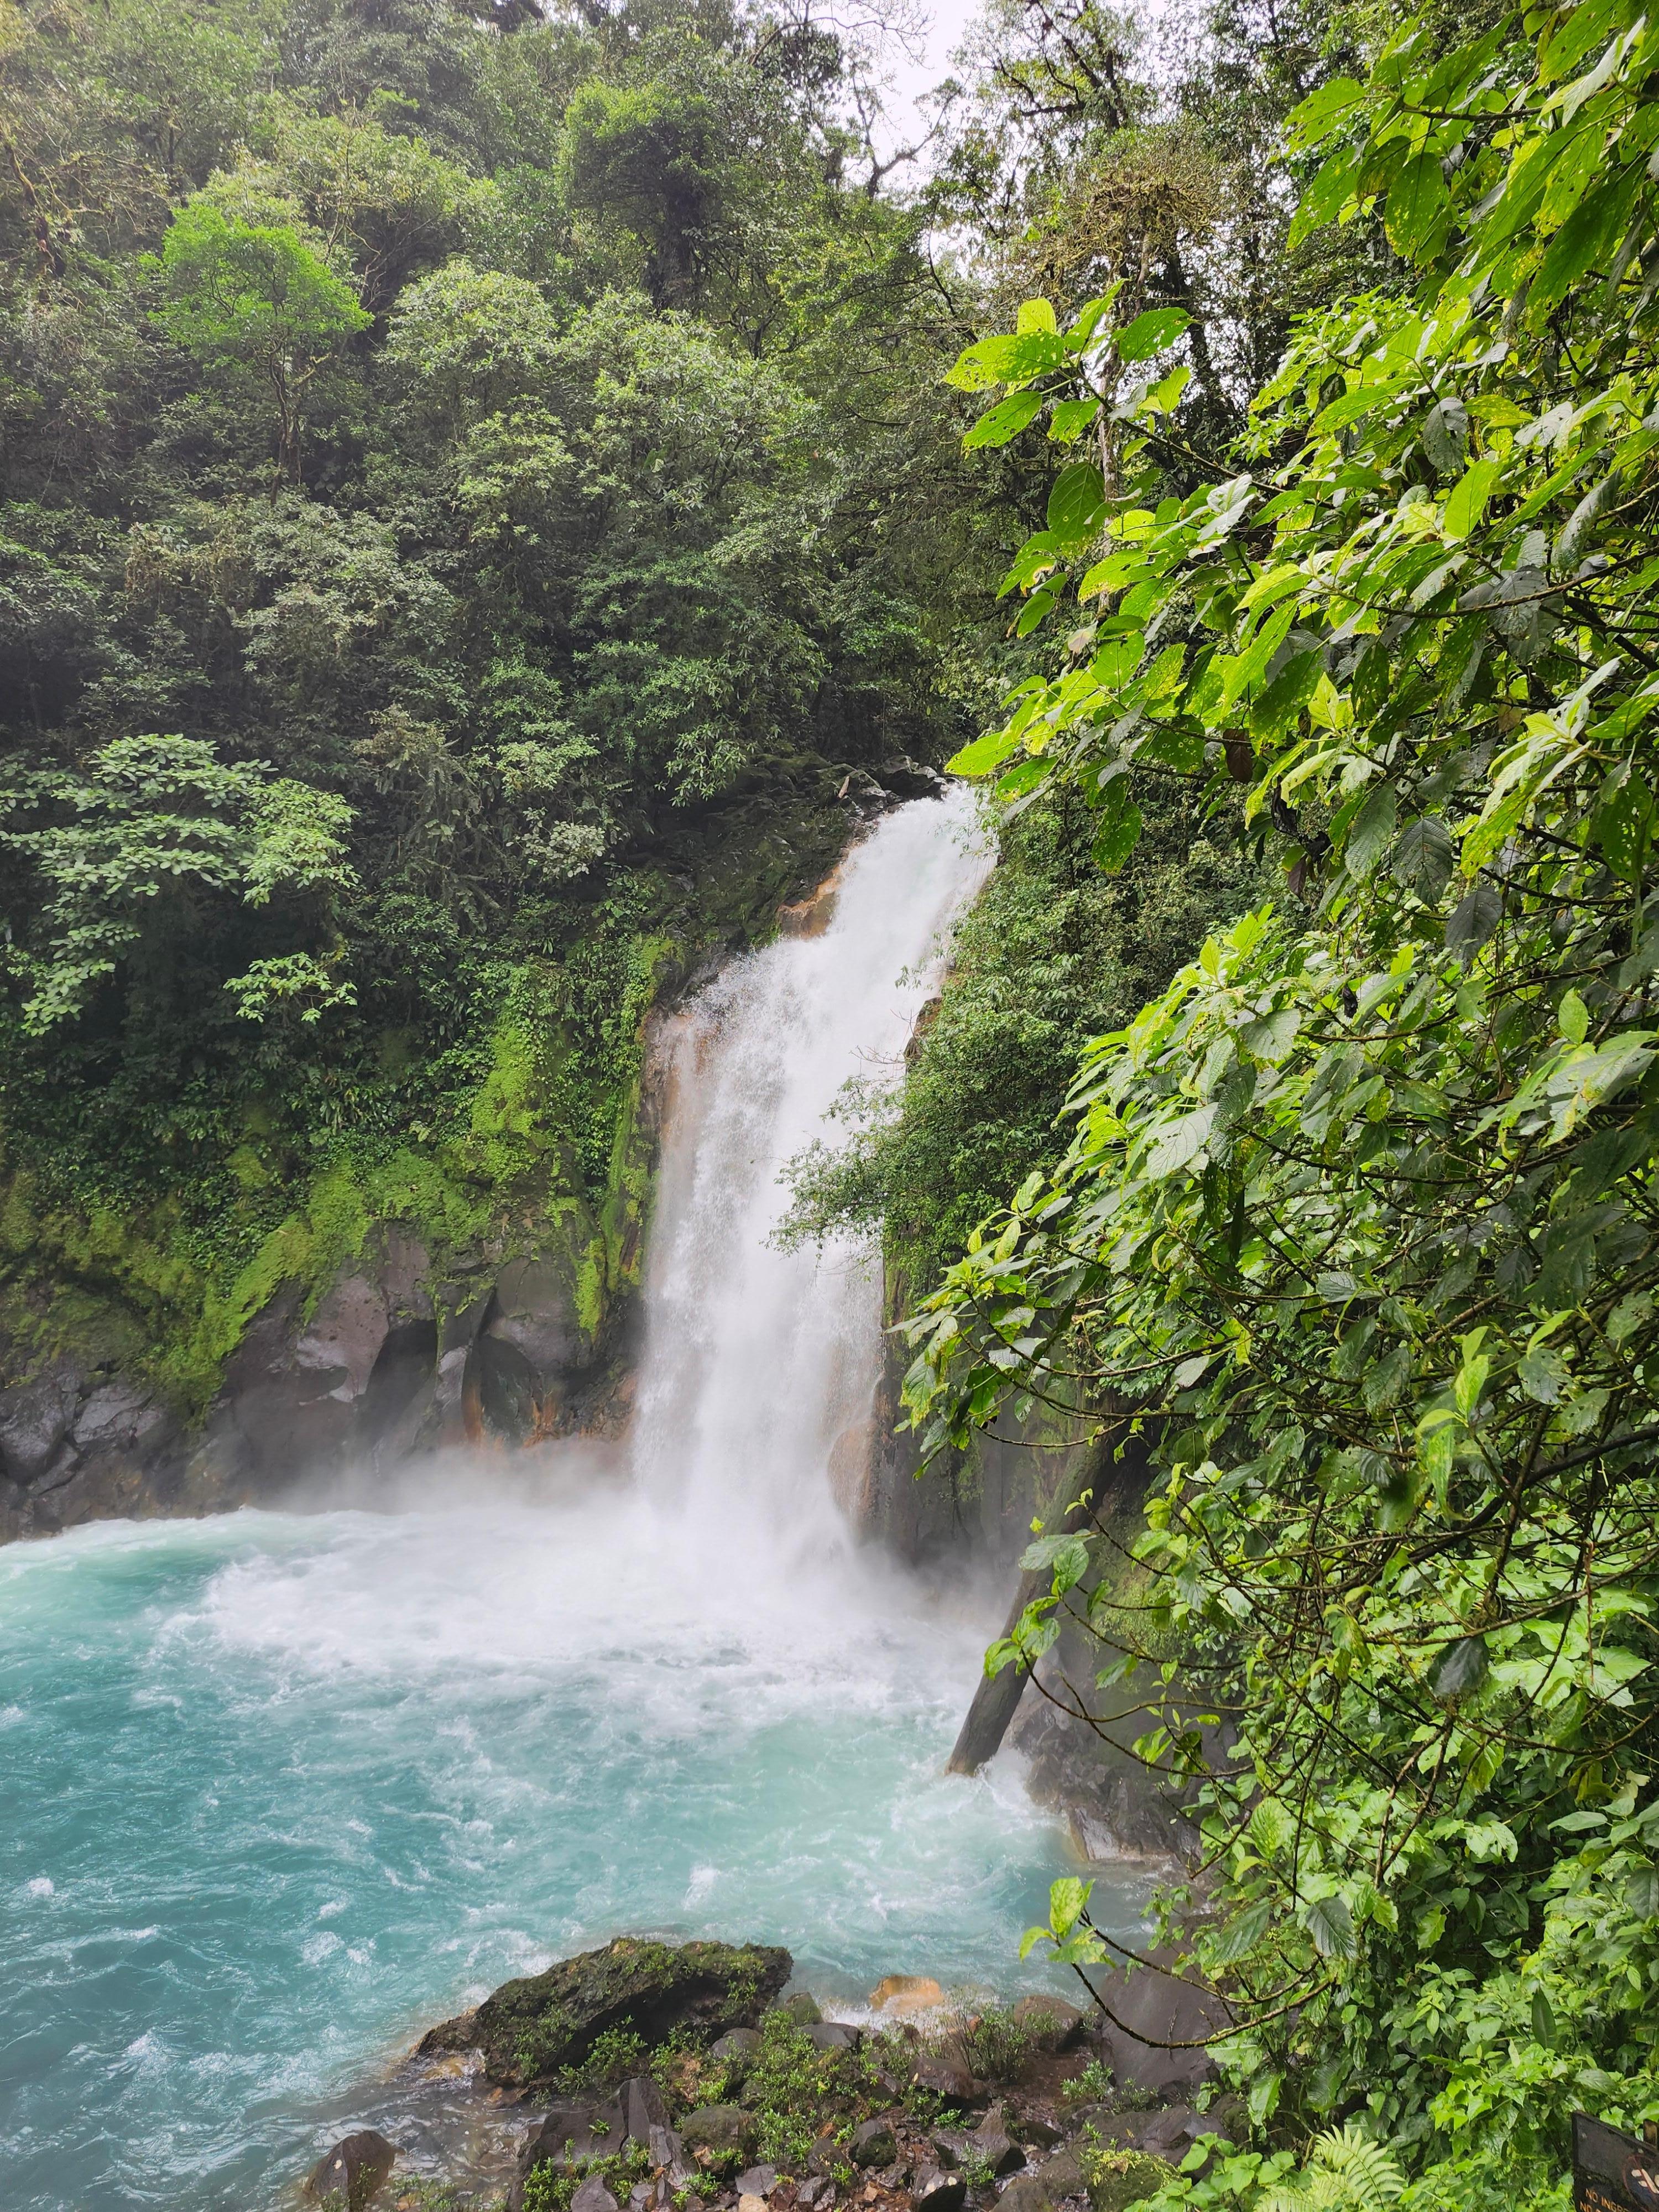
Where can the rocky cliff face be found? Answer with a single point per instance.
(388, 1361)
(525, 1336)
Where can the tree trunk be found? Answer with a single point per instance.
(997, 1698)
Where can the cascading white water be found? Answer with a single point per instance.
(760, 1365)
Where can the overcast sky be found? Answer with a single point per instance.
(948, 19)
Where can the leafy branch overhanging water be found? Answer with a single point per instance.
(1359, 1219)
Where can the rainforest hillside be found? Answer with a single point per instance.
(476, 483)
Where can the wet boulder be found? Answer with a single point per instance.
(905, 778)
(531, 2030)
(351, 2172)
(903, 1993)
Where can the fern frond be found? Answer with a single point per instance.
(1345, 2172)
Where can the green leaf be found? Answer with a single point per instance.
(1417, 199)
(1370, 833)
(1004, 421)
(1117, 826)
(1423, 858)
(1461, 1667)
(983, 755)
(1178, 1143)
(1070, 418)
(1319, 113)
(1324, 199)
(1241, 1936)
(1329, 1922)
(1622, 824)
(1469, 498)
(1387, 1382)
(1544, 1375)
(1446, 435)
(1472, 920)
(1068, 1900)
(1149, 333)
(1076, 504)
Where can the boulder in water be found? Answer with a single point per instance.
(533, 2030)
(800, 2008)
(905, 778)
(901, 1993)
(353, 2170)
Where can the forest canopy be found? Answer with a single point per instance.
(475, 482)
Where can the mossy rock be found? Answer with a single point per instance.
(532, 2031)
(1118, 2179)
(725, 2130)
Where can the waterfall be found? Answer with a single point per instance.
(760, 1365)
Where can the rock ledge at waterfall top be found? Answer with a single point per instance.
(533, 2030)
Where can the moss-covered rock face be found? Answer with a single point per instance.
(1118, 2179)
(533, 2031)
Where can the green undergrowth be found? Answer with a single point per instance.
(805, 2103)
(1051, 953)
(524, 1132)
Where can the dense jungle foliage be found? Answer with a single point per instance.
(474, 481)
(1357, 1223)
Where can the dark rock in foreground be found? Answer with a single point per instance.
(353, 2170)
(573, 2132)
(531, 2031)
